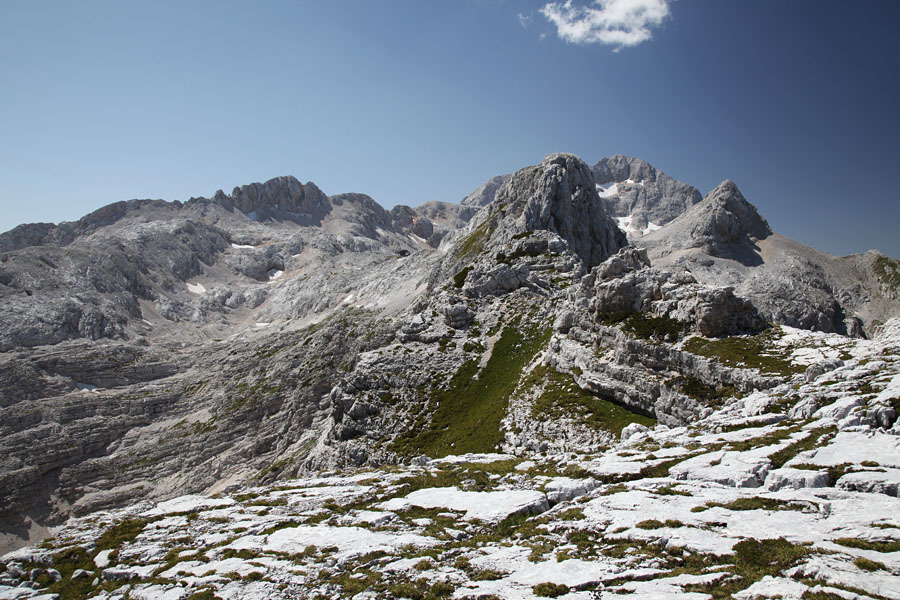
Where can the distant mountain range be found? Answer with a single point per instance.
(153, 349)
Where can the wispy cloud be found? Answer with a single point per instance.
(524, 20)
(618, 23)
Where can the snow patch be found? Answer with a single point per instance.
(651, 226)
(607, 190)
(242, 246)
(196, 288)
(86, 387)
(275, 274)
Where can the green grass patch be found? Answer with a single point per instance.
(470, 409)
(869, 565)
(746, 351)
(668, 490)
(757, 503)
(657, 329)
(123, 532)
(550, 590)
(876, 545)
(460, 278)
(695, 388)
(654, 524)
(753, 560)
(888, 271)
(563, 398)
(473, 244)
(66, 562)
(813, 440)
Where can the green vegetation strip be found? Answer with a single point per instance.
(888, 271)
(563, 398)
(749, 351)
(659, 329)
(470, 409)
(698, 390)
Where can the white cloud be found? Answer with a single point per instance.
(524, 20)
(619, 23)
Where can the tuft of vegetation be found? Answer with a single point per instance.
(668, 490)
(876, 545)
(460, 278)
(656, 329)
(563, 398)
(753, 560)
(870, 565)
(695, 388)
(123, 532)
(67, 562)
(757, 503)
(813, 440)
(654, 524)
(203, 595)
(470, 409)
(473, 244)
(550, 590)
(471, 346)
(888, 271)
(745, 351)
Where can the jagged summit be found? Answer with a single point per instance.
(284, 194)
(619, 168)
(560, 196)
(640, 197)
(486, 193)
(734, 216)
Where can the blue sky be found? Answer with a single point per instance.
(798, 102)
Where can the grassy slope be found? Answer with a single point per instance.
(471, 407)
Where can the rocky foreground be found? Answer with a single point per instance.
(788, 492)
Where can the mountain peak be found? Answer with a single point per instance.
(639, 196)
(284, 193)
(560, 195)
(733, 216)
